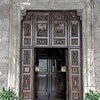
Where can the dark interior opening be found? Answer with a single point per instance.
(50, 74)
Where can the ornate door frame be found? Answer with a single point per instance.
(86, 9)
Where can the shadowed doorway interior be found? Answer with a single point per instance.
(50, 74)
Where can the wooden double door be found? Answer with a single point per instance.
(39, 80)
(50, 76)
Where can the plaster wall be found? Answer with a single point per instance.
(4, 41)
(97, 43)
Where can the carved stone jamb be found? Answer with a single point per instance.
(80, 11)
(14, 47)
(84, 49)
(88, 44)
(89, 3)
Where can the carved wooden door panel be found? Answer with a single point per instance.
(59, 29)
(75, 66)
(26, 58)
(50, 29)
(41, 28)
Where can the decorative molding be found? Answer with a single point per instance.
(89, 3)
(80, 13)
(51, 3)
(23, 13)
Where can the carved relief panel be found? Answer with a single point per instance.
(75, 83)
(75, 58)
(50, 29)
(75, 75)
(59, 29)
(27, 34)
(27, 30)
(41, 29)
(26, 82)
(74, 29)
(26, 71)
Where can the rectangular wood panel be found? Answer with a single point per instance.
(41, 86)
(59, 29)
(74, 30)
(26, 76)
(41, 29)
(74, 74)
(41, 82)
(58, 82)
(75, 57)
(27, 33)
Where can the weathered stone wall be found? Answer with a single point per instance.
(5, 23)
(97, 43)
(4, 35)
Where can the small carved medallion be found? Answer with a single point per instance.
(74, 42)
(27, 29)
(75, 96)
(42, 42)
(75, 70)
(26, 69)
(42, 30)
(26, 95)
(75, 83)
(59, 30)
(26, 82)
(59, 41)
(27, 41)
(74, 57)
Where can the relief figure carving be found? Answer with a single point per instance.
(26, 82)
(75, 83)
(27, 57)
(42, 29)
(59, 30)
(27, 29)
(74, 30)
(75, 58)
